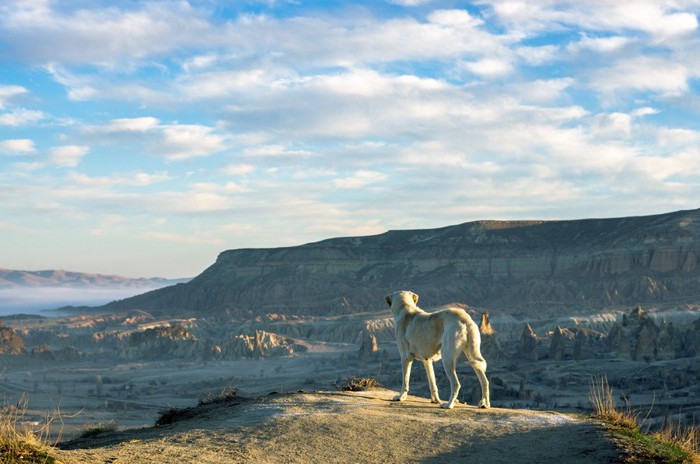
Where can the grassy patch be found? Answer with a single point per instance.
(173, 414)
(672, 444)
(94, 430)
(227, 393)
(19, 442)
(360, 384)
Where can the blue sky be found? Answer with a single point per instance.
(144, 138)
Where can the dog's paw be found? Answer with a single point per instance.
(436, 400)
(484, 405)
(447, 405)
(400, 397)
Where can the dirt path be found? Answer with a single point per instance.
(344, 427)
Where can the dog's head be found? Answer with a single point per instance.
(401, 298)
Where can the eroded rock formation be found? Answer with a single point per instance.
(490, 347)
(527, 349)
(10, 341)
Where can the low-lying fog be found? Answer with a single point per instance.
(37, 300)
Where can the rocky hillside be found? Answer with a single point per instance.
(60, 278)
(525, 265)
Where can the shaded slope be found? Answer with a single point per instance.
(498, 264)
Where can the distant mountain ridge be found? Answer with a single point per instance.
(522, 266)
(61, 278)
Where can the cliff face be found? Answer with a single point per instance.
(527, 265)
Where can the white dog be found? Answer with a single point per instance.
(429, 336)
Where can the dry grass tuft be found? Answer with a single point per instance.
(360, 384)
(601, 397)
(94, 430)
(227, 393)
(19, 441)
(672, 444)
(227, 396)
(685, 437)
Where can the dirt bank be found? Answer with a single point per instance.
(350, 427)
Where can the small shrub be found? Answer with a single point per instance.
(173, 414)
(227, 393)
(360, 384)
(601, 397)
(93, 430)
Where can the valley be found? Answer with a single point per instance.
(125, 369)
(559, 303)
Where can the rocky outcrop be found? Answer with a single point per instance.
(531, 265)
(368, 346)
(583, 344)
(178, 342)
(527, 349)
(691, 340)
(490, 347)
(10, 341)
(558, 345)
(640, 338)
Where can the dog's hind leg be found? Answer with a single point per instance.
(449, 362)
(434, 395)
(478, 363)
(406, 363)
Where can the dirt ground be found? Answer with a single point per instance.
(351, 427)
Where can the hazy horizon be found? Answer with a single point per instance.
(43, 300)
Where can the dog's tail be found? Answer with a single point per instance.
(473, 348)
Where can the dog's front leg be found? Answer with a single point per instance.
(406, 362)
(434, 395)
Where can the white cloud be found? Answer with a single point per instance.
(183, 238)
(107, 224)
(182, 141)
(454, 18)
(139, 179)
(20, 117)
(238, 169)
(658, 19)
(68, 155)
(490, 67)
(9, 92)
(274, 151)
(131, 124)
(600, 44)
(172, 141)
(652, 17)
(46, 31)
(17, 147)
(360, 179)
(538, 55)
(644, 111)
(409, 2)
(612, 125)
(642, 74)
(543, 90)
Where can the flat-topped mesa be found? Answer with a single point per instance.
(528, 265)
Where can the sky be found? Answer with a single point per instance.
(142, 138)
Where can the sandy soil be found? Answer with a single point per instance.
(346, 427)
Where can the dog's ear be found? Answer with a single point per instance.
(415, 298)
(388, 299)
